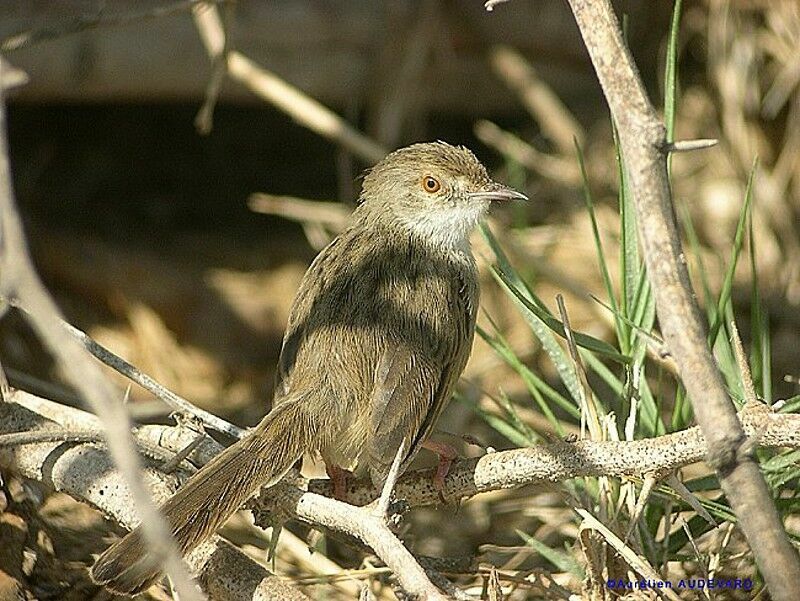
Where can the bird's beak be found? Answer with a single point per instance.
(495, 192)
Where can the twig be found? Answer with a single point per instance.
(329, 214)
(589, 408)
(171, 465)
(642, 138)
(10, 76)
(638, 563)
(364, 525)
(303, 109)
(552, 167)
(23, 438)
(5, 388)
(204, 121)
(689, 145)
(131, 372)
(555, 120)
(19, 282)
(93, 21)
(382, 507)
(490, 4)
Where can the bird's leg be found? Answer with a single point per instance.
(447, 454)
(339, 478)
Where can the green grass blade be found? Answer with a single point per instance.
(671, 75)
(694, 245)
(565, 562)
(630, 262)
(681, 411)
(496, 422)
(738, 241)
(602, 370)
(601, 256)
(536, 386)
(760, 359)
(600, 347)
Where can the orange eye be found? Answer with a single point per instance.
(431, 184)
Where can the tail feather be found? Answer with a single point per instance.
(210, 497)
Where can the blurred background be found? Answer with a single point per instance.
(181, 250)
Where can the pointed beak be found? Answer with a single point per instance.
(495, 192)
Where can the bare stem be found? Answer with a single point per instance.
(287, 98)
(19, 282)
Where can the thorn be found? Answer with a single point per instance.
(490, 4)
(688, 145)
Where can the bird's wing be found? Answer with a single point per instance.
(403, 395)
(412, 387)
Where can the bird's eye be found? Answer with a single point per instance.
(431, 184)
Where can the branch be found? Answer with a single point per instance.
(178, 403)
(358, 522)
(562, 461)
(19, 282)
(85, 472)
(331, 214)
(300, 107)
(94, 20)
(541, 102)
(642, 139)
(552, 167)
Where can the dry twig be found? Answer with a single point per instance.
(557, 123)
(20, 283)
(306, 111)
(95, 20)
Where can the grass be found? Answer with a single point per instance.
(642, 398)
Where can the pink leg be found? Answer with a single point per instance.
(447, 454)
(339, 478)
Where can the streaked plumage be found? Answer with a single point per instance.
(380, 330)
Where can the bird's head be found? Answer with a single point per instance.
(435, 190)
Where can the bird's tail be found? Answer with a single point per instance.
(211, 496)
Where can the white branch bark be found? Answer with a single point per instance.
(85, 471)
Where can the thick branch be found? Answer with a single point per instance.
(642, 140)
(85, 472)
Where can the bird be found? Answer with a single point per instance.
(379, 332)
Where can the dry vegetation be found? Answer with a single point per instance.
(203, 314)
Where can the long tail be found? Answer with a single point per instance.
(212, 495)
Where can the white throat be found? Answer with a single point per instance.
(447, 228)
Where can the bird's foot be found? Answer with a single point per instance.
(447, 455)
(339, 478)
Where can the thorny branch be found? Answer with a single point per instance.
(85, 472)
(642, 138)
